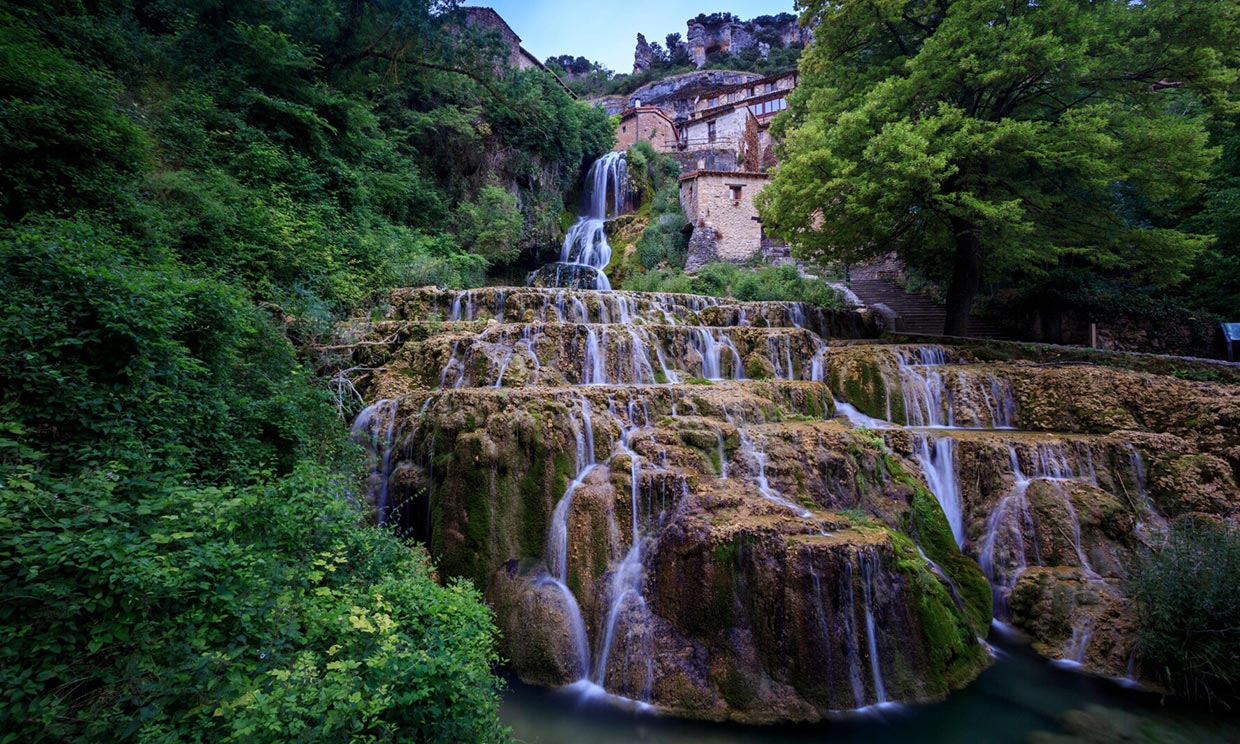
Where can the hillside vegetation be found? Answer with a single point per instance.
(192, 192)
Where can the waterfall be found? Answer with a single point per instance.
(937, 457)
(1003, 552)
(858, 419)
(711, 347)
(930, 393)
(850, 633)
(922, 386)
(594, 372)
(868, 567)
(757, 454)
(375, 428)
(626, 582)
(586, 252)
(557, 539)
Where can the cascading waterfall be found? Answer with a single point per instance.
(756, 453)
(937, 457)
(869, 565)
(848, 599)
(927, 388)
(585, 252)
(1011, 519)
(614, 339)
(557, 539)
(375, 428)
(626, 584)
(923, 388)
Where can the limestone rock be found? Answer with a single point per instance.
(643, 56)
(703, 247)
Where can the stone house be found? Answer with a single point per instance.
(720, 134)
(518, 57)
(723, 201)
(646, 123)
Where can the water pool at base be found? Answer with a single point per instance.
(1021, 698)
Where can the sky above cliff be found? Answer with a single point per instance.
(606, 30)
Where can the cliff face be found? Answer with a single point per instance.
(722, 33)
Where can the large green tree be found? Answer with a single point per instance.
(996, 136)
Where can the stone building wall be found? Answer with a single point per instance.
(729, 130)
(647, 123)
(707, 196)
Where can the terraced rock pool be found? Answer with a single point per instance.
(1022, 698)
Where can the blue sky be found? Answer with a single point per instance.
(606, 30)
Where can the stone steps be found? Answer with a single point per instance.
(917, 314)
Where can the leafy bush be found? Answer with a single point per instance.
(146, 609)
(106, 357)
(663, 242)
(491, 226)
(1189, 610)
(64, 141)
(655, 178)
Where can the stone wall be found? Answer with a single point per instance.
(714, 159)
(729, 130)
(647, 123)
(707, 197)
(1180, 334)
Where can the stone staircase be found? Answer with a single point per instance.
(917, 314)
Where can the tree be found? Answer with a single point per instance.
(977, 136)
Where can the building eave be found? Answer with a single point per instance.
(691, 175)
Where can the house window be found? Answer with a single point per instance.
(623, 129)
(770, 87)
(710, 131)
(735, 191)
(712, 102)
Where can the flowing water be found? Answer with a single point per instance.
(586, 253)
(572, 343)
(1020, 694)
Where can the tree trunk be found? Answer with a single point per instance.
(966, 276)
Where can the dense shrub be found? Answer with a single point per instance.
(146, 609)
(1189, 610)
(191, 195)
(655, 179)
(109, 355)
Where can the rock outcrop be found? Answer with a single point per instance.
(703, 247)
(749, 511)
(721, 34)
(643, 55)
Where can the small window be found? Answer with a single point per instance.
(735, 191)
(710, 131)
(712, 102)
(624, 129)
(770, 87)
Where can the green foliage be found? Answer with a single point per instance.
(152, 610)
(655, 179)
(64, 140)
(746, 283)
(1214, 278)
(998, 138)
(1189, 611)
(109, 356)
(192, 194)
(491, 226)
